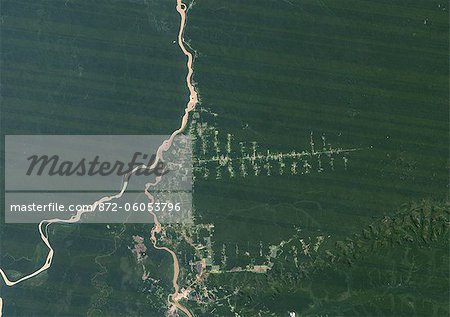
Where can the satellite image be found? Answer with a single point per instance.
(242, 158)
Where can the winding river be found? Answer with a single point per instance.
(173, 299)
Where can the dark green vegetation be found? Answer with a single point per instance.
(367, 74)
(86, 67)
(396, 266)
(363, 73)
